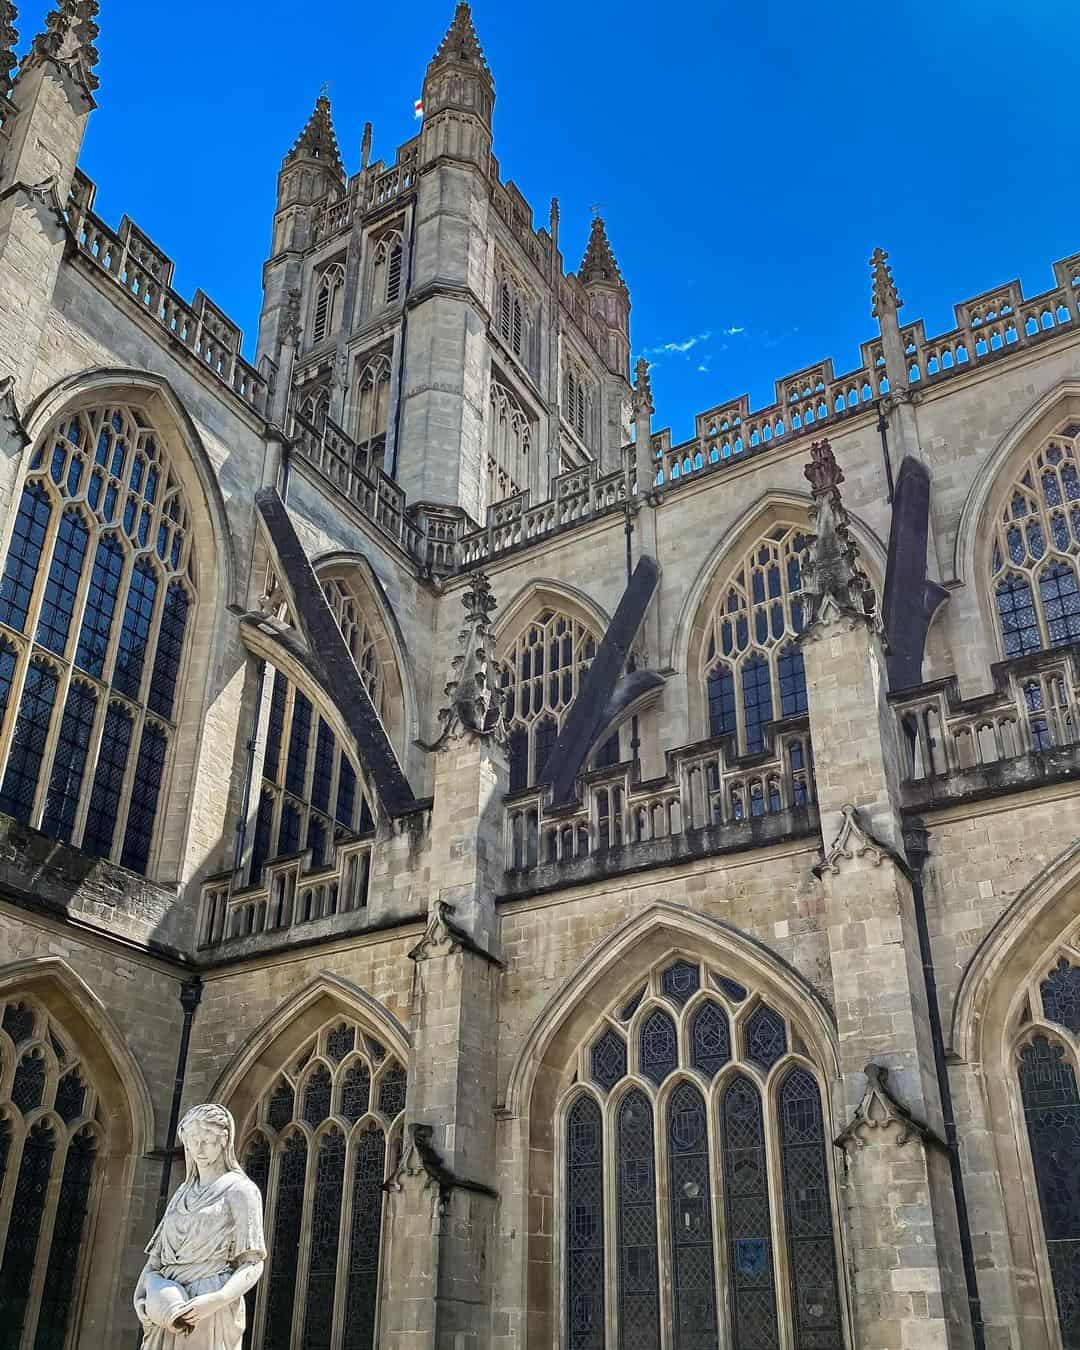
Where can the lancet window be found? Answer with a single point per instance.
(314, 406)
(1035, 562)
(372, 404)
(387, 275)
(53, 1140)
(97, 603)
(317, 1148)
(509, 444)
(577, 398)
(1046, 1065)
(513, 314)
(329, 295)
(751, 665)
(695, 1142)
(540, 677)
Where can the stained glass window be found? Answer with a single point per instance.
(691, 1221)
(757, 702)
(585, 1227)
(723, 720)
(46, 1181)
(296, 759)
(330, 1076)
(717, 1153)
(1052, 1115)
(792, 674)
(103, 516)
(1061, 995)
(256, 1163)
(275, 727)
(639, 1286)
(808, 1214)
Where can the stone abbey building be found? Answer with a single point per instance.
(627, 891)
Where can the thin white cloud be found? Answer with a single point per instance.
(677, 347)
(733, 330)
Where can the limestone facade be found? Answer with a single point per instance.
(765, 1032)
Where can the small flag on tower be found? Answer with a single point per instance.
(418, 109)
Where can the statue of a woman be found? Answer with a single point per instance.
(208, 1250)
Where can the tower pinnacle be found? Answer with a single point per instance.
(70, 33)
(599, 262)
(886, 299)
(318, 141)
(460, 43)
(8, 38)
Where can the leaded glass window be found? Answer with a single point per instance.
(1035, 559)
(718, 1085)
(101, 572)
(50, 1148)
(541, 674)
(751, 668)
(324, 1126)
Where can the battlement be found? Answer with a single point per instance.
(135, 263)
(999, 320)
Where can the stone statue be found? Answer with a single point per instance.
(208, 1250)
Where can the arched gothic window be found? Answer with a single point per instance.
(577, 398)
(1035, 562)
(372, 403)
(387, 279)
(750, 663)
(1046, 1066)
(541, 674)
(366, 639)
(513, 314)
(329, 294)
(317, 1148)
(98, 597)
(53, 1139)
(696, 1121)
(312, 792)
(314, 406)
(509, 443)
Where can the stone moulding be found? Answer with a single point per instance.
(879, 1109)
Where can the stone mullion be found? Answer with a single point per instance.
(774, 1175)
(611, 1225)
(48, 755)
(348, 1186)
(45, 1234)
(665, 1253)
(303, 1255)
(259, 723)
(714, 1139)
(19, 1135)
(93, 751)
(269, 1219)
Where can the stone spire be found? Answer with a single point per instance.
(70, 34)
(318, 141)
(460, 44)
(834, 585)
(886, 300)
(599, 262)
(8, 38)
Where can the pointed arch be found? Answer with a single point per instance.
(540, 593)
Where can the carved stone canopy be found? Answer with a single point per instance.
(879, 1111)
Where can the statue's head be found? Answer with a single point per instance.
(208, 1134)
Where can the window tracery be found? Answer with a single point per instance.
(314, 406)
(687, 1091)
(509, 444)
(52, 1141)
(541, 673)
(1046, 1061)
(1035, 561)
(752, 668)
(98, 597)
(318, 1140)
(577, 397)
(387, 276)
(329, 295)
(513, 313)
(372, 403)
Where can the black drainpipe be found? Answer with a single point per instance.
(916, 838)
(249, 773)
(883, 431)
(190, 994)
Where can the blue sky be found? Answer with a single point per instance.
(746, 157)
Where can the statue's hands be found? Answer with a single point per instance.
(188, 1315)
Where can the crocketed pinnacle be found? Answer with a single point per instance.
(70, 34)
(460, 43)
(317, 140)
(8, 38)
(886, 300)
(599, 262)
(833, 582)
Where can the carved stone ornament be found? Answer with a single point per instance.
(834, 585)
(290, 324)
(851, 841)
(879, 1110)
(442, 936)
(642, 395)
(421, 1163)
(474, 706)
(13, 435)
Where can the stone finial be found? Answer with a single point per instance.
(553, 221)
(70, 34)
(643, 399)
(879, 1110)
(318, 139)
(599, 262)
(365, 146)
(474, 705)
(9, 37)
(886, 300)
(460, 43)
(833, 583)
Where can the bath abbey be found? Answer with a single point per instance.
(625, 890)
